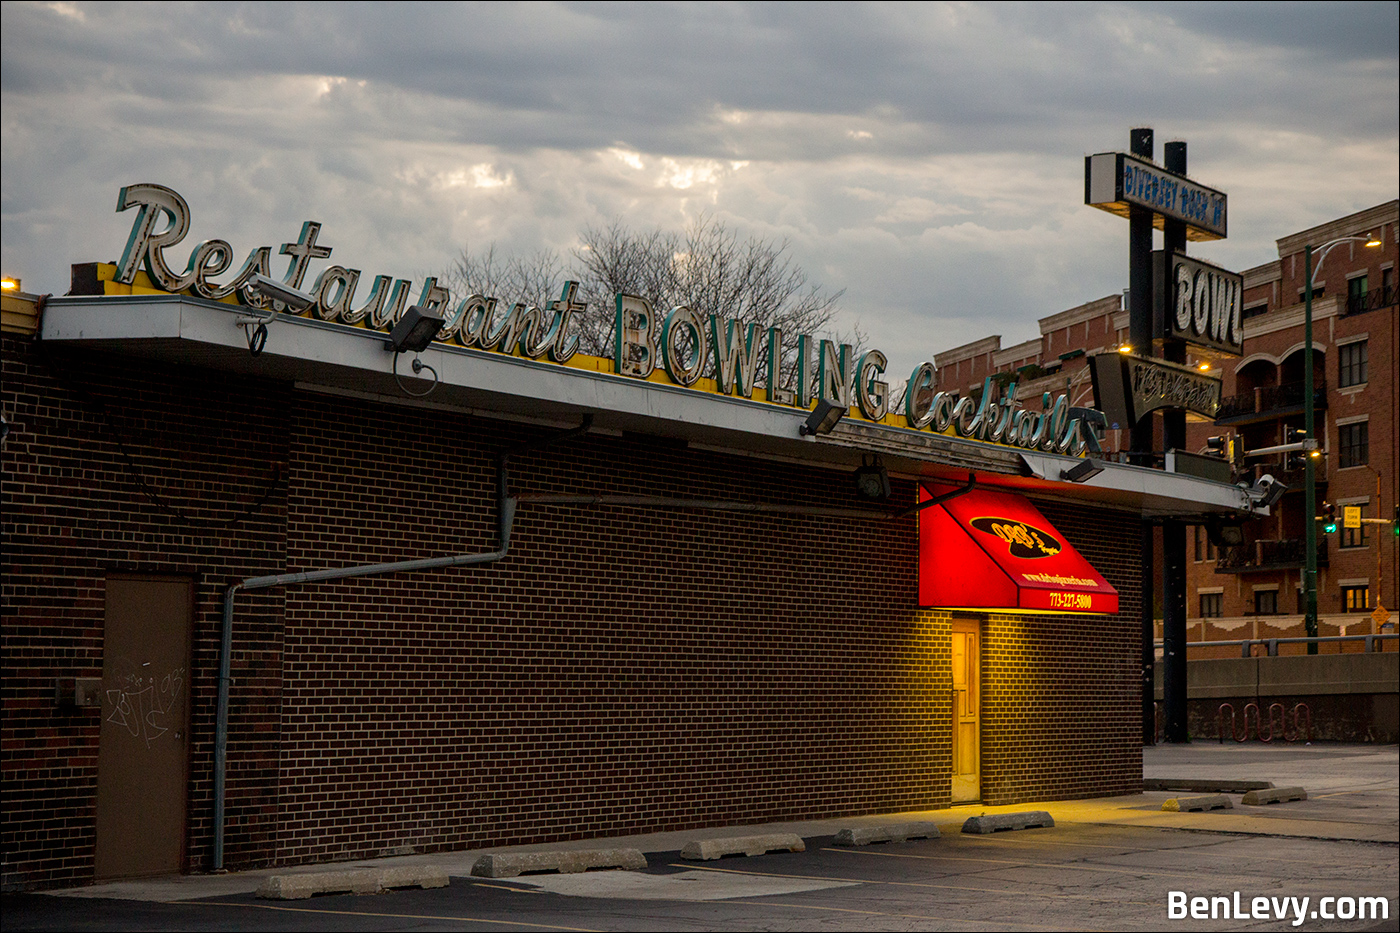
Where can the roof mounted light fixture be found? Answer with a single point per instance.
(414, 331)
(822, 419)
(1083, 471)
(412, 334)
(872, 479)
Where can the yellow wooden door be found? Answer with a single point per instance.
(967, 677)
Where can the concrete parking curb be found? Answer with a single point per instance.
(357, 881)
(1001, 822)
(1257, 798)
(1204, 787)
(708, 849)
(1197, 804)
(895, 832)
(511, 864)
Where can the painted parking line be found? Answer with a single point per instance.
(369, 913)
(694, 885)
(961, 921)
(1022, 863)
(1018, 891)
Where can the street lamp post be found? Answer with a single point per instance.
(1309, 417)
(1309, 477)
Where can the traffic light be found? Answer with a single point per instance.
(1294, 435)
(1230, 447)
(1295, 462)
(1329, 520)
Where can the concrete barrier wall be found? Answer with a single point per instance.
(1351, 697)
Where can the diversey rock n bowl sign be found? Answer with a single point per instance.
(1115, 180)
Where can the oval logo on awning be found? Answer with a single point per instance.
(1025, 541)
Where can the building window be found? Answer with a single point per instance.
(1205, 550)
(1351, 364)
(1356, 294)
(1354, 441)
(1354, 537)
(1266, 602)
(1210, 605)
(1255, 310)
(1356, 598)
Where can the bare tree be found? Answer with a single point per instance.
(708, 268)
(535, 279)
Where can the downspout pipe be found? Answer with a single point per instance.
(287, 579)
(506, 505)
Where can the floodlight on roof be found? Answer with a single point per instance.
(415, 330)
(822, 419)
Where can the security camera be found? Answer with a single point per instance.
(1268, 490)
(280, 291)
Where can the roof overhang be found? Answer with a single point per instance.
(335, 358)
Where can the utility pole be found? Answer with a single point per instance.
(1140, 336)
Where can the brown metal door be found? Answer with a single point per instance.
(142, 756)
(967, 678)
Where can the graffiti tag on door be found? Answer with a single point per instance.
(143, 698)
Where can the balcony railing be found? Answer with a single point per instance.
(1377, 298)
(1270, 402)
(1283, 554)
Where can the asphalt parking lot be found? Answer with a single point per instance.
(1117, 863)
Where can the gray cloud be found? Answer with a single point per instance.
(926, 158)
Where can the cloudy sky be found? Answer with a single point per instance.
(925, 158)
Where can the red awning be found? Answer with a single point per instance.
(994, 550)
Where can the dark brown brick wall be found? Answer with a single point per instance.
(206, 446)
(623, 670)
(1062, 694)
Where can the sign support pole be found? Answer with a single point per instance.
(1139, 337)
(1174, 532)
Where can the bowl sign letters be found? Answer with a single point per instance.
(1197, 302)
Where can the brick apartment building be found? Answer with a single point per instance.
(736, 636)
(1254, 591)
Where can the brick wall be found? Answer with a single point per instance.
(106, 470)
(1061, 702)
(623, 670)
